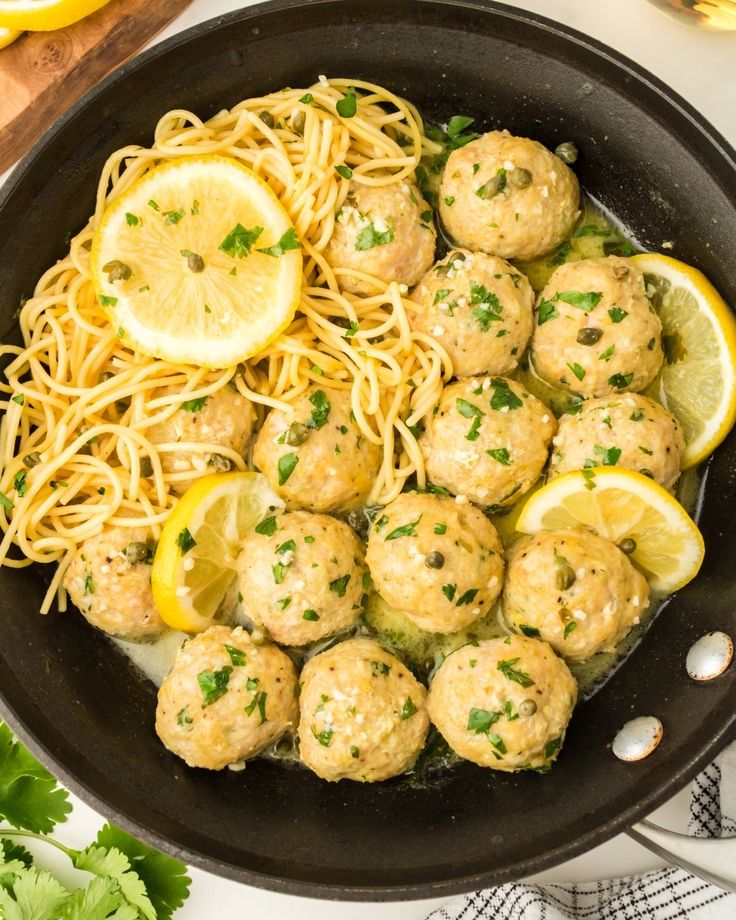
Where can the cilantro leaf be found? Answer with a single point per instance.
(165, 878)
(29, 796)
(113, 864)
(34, 896)
(100, 900)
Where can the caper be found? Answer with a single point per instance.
(567, 152)
(296, 434)
(628, 546)
(359, 522)
(527, 708)
(195, 262)
(620, 271)
(219, 463)
(491, 188)
(146, 466)
(257, 636)
(32, 459)
(589, 335)
(298, 122)
(520, 177)
(267, 119)
(117, 270)
(136, 552)
(565, 577)
(434, 560)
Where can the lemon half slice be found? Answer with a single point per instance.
(45, 15)
(195, 563)
(619, 504)
(8, 36)
(698, 381)
(198, 263)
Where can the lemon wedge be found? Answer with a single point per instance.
(195, 563)
(698, 381)
(8, 36)
(620, 504)
(198, 263)
(45, 15)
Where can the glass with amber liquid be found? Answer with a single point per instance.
(705, 14)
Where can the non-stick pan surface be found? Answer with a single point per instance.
(83, 709)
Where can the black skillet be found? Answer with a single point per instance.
(658, 166)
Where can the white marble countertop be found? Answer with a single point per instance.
(701, 66)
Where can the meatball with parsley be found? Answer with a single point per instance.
(438, 562)
(362, 713)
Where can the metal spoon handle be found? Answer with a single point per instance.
(712, 859)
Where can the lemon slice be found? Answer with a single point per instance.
(619, 504)
(45, 15)
(8, 36)
(698, 381)
(195, 562)
(198, 263)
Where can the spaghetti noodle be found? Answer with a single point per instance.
(74, 451)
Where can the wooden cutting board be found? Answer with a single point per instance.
(43, 73)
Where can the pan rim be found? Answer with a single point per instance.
(99, 801)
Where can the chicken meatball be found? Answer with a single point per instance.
(503, 703)
(315, 455)
(224, 419)
(574, 590)
(362, 714)
(479, 308)
(488, 440)
(384, 231)
(438, 562)
(629, 430)
(508, 196)
(109, 580)
(301, 576)
(596, 332)
(226, 699)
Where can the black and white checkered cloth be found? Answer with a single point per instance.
(667, 894)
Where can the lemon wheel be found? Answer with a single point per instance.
(198, 263)
(195, 563)
(45, 15)
(619, 504)
(698, 380)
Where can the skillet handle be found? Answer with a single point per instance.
(710, 858)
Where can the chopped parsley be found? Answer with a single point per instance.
(570, 628)
(213, 684)
(440, 528)
(153, 204)
(289, 240)
(637, 415)
(489, 307)
(321, 410)
(609, 455)
(6, 502)
(501, 455)
(617, 314)
(348, 105)
(307, 99)
(607, 354)
(324, 737)
(185, 541)
(467, 598)
(239, 241)
(582, 300)
(380, 668)
(131, 220)
(288, 547)
(577, 370)
(449, 591)
(509, 671)
(311, 615)
(551, 747)
(258, 700)
(480, 720)
(503, 396)
(194, 405)
(620, 381)
(406, 530)
(267, 527)
(19, 483)
(106, 301)
(182, 718)
(89, 586)
(344, 171)
(284, 602)
(369, 237)
(286, 466)
(547, 311)
(339, 585)
(237, 656)
(408, 709)
(530, 631)
(562, 252)
(173, 217)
